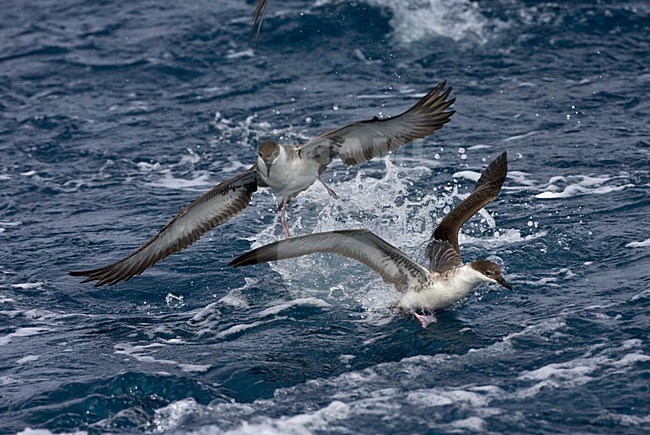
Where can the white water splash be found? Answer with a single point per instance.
(386, 203)
(460, 20)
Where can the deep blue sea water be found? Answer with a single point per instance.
(115, 116)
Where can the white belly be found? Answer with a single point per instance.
(436, 296)
(290, 176)
(440, 293)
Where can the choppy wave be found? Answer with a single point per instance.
(582, 185)
(643, 244)
(357, 395)
(115, 116)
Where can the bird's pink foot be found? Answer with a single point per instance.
(283, 220)
(425, 320)
(285, 229)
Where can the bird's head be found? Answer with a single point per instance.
(267, 153)
(490, 272)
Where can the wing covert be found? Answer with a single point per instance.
(442, 256)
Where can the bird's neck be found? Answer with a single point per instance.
(463, 279)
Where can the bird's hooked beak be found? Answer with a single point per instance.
(504, 283)
(267, 153)
(268, 164)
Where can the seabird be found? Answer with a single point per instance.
(446, 280)
(287, 170)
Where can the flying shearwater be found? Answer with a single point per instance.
(444, 282)
(287, 170)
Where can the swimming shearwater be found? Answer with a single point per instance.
(444, 282)
(288, 170)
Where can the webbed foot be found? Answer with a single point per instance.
(425, 320)
(283, 219)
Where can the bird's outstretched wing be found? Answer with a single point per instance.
(214, 208)
(257, 21)
(361, 141)
(486, 190)
(389, 262)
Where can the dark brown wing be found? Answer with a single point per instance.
(216, 207)
(361, 141)
(390, 263)
(486, 190)
(257, 21)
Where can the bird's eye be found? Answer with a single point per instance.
(488, 272)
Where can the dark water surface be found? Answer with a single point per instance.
(114, 117)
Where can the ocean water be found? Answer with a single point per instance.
(115, 116)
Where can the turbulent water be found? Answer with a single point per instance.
(114, 117)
